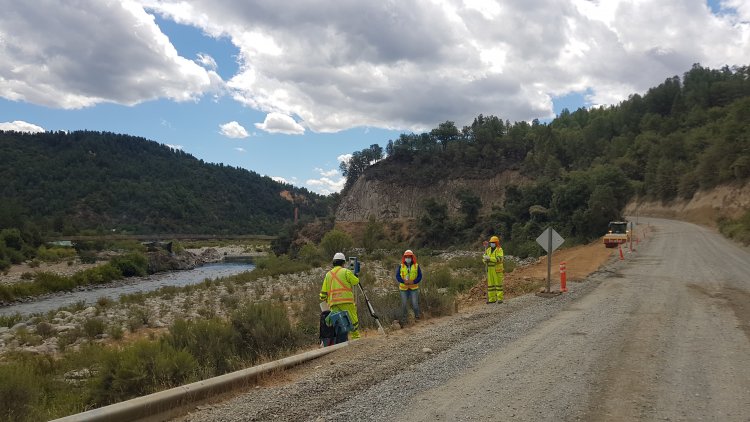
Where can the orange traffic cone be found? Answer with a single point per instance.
(620, 248)
(563, 278)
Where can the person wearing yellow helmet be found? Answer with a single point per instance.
(493, 258)
(408, 276)
(337, 291)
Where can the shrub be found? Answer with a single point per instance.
(45, 329)
(131, 265)
(94, 327)
(54, 254)
(19, 392)
(10, 320)
(141, 368)
(311, 255)
(210, 342)
(335, 241)
(138, 317)
(52, 282)
(116, 332)
(262, 329)
(436, 304)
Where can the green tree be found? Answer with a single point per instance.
(470, 205)
(373, 234)
(335, 241)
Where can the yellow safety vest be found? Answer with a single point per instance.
(496, 258)
(412, 276)
(335, 290)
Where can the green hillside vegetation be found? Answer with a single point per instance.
(686, 134)
(97, 182)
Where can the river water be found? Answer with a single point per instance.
(146, 284)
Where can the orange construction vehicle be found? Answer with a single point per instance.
(617, 234)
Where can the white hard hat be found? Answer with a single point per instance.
(339, 256)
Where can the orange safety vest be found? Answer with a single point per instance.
(412, 276)
(339, 291)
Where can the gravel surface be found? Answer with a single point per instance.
(376, 377)
(662, 335)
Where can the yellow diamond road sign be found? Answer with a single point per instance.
(544, 240)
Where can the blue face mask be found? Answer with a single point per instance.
(407, 261)
(492, 245)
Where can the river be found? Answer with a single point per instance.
(146, 284)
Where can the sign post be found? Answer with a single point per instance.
(549, 240)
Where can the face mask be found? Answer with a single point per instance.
(492, 245)
(408, 260)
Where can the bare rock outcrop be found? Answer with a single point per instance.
(382, 200)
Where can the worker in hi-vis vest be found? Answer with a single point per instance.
(408, 276)
(493, 259)
(337, 291)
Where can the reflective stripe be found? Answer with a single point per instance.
(341, 294)
(412, 273)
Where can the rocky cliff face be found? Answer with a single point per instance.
(705, 207)
(369, 197)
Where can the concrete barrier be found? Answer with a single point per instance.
(160, 406)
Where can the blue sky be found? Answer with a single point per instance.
(287, 90)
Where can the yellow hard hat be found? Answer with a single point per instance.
(495, 239)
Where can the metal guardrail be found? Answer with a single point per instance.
(164, 404)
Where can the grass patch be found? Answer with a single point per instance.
(738, 230)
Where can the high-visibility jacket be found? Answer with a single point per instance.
(337, 286)
(413, 273)
(495, 258)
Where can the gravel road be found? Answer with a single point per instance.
(662, 335)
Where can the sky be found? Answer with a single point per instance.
(290, 89)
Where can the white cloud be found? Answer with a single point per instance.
(177, 147)
(207, 61)
(21, 126)
(280, 179)
(344, 158)
(233, 130)
(72, 55)
(405, 65)
(280, 123)
(331, 181)
(328, 173)
(239, 149)
(414, 64)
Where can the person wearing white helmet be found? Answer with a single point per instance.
(408, 276)
(337, 291)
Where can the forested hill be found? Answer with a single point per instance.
(688, 133)
(75, 182)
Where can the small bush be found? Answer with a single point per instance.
(311, 255)
(94, 327)
(138, 317)
(116, 332)
(335, 241)
(131, 265)
(141, 368)
(210, 342)
(19, 393)
(104, 302)
(436, 304)
(45, 329)
(262, 329)
(10, 320)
